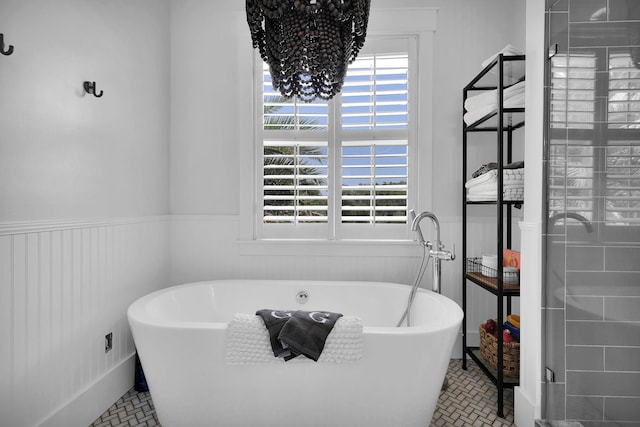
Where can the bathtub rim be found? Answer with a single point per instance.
(136, 310)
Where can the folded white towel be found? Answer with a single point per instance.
(487, 177)
(476, 114)
(509, 176)
(483, 188)
(481, 197)
(510, 195)
(515, 101)
(508, 50)
(513, 173)
(491, 97)
(486, 103)
(248, 342)
(513, 194)
(513, 184)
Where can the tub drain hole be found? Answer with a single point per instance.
(302, 297)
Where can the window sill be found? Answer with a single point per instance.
(321, 247)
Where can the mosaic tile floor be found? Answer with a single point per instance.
(468, 401)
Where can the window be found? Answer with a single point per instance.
(341, 169)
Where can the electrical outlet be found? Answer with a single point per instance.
(108, 342)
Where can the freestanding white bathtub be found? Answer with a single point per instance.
(180, 333)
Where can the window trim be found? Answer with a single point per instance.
(419, 23)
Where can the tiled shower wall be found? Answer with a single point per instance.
(592, 166)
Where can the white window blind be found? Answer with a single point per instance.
(375, 101)
(295, 182)
(376, 94)
(345, 161)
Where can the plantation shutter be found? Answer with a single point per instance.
(345, 161)
(375, 102)
(295, 163)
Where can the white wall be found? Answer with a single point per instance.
(64, 153)
(84, 198)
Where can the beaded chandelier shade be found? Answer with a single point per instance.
(308, 44)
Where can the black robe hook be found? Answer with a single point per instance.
(9, 50)
(90, 87)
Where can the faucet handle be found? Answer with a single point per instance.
(444, 255)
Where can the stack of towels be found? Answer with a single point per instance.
(484, 184)
(481, 105)
(508, 50)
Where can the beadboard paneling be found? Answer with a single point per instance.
(61, 291)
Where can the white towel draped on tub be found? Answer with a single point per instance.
(248, 342)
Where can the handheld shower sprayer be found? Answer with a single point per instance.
(417, 229)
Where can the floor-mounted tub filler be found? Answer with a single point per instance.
(182, 336)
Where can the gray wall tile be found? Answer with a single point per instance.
(602, 333)
(587, 258)
(623, 10)
(622, 408)
(622, 359)
(586, 423)
(557, 5)
(588, 10)
(619, 235)
(555, 401)
(559, 34)
(603, 283)
(554, 337)
(580, 358)
(622, 259)
(623, 309)
(585, 408)
(601, 33)
(603, 383)
(585, 308)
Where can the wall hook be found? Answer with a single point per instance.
(9, 50)
(90, 87)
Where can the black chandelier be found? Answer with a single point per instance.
(308, 44)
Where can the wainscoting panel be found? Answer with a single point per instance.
(63, 287)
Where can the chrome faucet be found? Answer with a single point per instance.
(436, 248)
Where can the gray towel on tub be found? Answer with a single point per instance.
(305, 332)
(274, 320)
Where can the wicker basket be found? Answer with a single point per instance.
(510, 353)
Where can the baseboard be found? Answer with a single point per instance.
(90, 404)
(524, 409)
